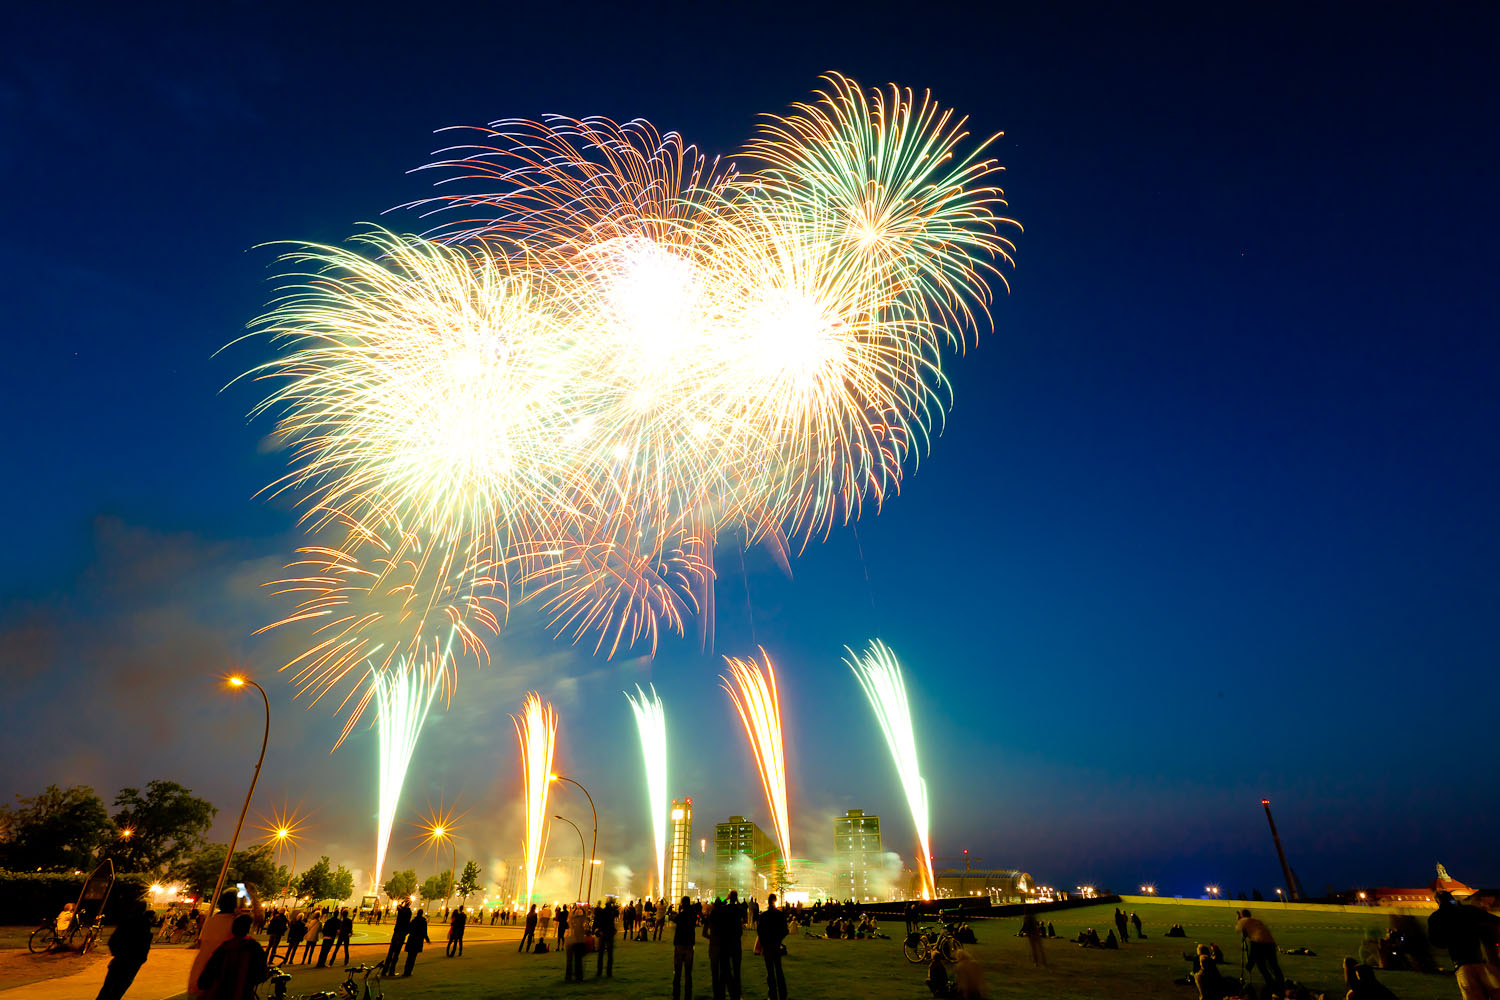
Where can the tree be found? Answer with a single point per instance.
(401, 884)
(255, 866)
(58, 830)
(436, 887)
(468, 882)
(322, 882)
(159, 828)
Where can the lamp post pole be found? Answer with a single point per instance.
(228, 855)
(592, 850)
(580, 851)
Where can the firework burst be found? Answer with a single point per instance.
(879, 674)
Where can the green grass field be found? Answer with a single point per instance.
(876, 969)
(815, 968)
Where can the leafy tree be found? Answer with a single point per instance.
(342, 886)
(468, 882)
(58, 830)
(436, 887)
(157, 829)
(401, 884)
(255, 866)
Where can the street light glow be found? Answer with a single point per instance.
(237, 682)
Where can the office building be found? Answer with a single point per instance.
(679, 849)
(858, 863)
(744, 859)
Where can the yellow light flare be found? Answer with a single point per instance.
(536, 731)
(752, 688)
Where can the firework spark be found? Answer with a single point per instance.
(403, 697)
(615, 355)
(651, 721)
(879, 674)
(752, 688)
(536, 731)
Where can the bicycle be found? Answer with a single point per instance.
(47, 937)
(920, 945)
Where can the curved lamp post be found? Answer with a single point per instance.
(239, 682)
(592, 850)
(583, 861)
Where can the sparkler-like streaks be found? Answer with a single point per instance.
(651, 722)
(536, 731)
(611, 356)
(879, 674)
(403, 696)
(752, 688)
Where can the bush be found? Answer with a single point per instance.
(32, 897)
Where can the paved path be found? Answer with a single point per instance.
(164, 976)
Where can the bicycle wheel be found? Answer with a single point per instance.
(915, 950)
(42, 939)
(89, 937)
(948, 947)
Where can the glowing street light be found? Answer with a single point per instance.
(441, 827)
(236, 681)
(1212, 890)
(595, 848)
(1148, 889)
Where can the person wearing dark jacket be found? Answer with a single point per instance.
(275, 928)
(331, 927)
(1463, 931)
(416, 937)
(295, 932)
(684, 936)
(398, 938)
(236, 967)
(129, 944)
(529, 937)
(456, 924)
(772, 930)
(1120, 924)
(346, 933)
(728, 920)
(604, 932)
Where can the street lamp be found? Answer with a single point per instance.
(436, 834)
(592, 850)
(581, 863)
(237, 681)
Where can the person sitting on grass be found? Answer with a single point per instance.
(937, 977)
(1362, 984)
(968, 976)
(1111, 943)
(1176, 931)
(1088, 938)
(1206, 975)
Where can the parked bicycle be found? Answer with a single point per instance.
(367, 988)
(48, 937)
(921, 943)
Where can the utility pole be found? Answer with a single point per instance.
(1293, 890)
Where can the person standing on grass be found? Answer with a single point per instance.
(1261, 950)
(398, 937)
(1464, 930)
(129, 944)
(456, 924)
(684, 936)
(529, 937)
(546, 916)
(728, 927)
(1120, 925)
(346, 934)
(1032, 929)
(562, 926)
(236, 966)
(1135, 921)
(604, 931)
(416, 937)
(771, 929)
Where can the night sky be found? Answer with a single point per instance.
(1212, 517)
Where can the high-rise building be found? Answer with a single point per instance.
(744, 858)
(857, 857)
(680, 849)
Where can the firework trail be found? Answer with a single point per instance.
(403, 696)
(611, 356)
(753, 691)
(536, 730)
(651, 721)
(879, 674)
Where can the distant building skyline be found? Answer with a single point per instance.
(857, 854)
(738, 837)
(680, 849)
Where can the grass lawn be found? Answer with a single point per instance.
(875, 969)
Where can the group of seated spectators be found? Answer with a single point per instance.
(1089, 938)
(849, 929)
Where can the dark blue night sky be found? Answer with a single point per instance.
(1212, 517)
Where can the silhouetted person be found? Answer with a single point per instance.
(1463, 931)
(275, 928)
(604, 932)
(416, 937)
(728, 925)
(1135, 921)
(1120, 924)
(684, 936)
(236, 967)
(215, 931)
(937, 976)
(1032, 930)
(1362, 983)
(456, 924)
(772, 930)
(562, 926)
(346, 932)
(529, 937)
(1261, 949)
(129, 944)
(398, 937)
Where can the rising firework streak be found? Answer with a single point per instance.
(879, 674)
(651, 721)
(753, 691)
(403, 697)
(536, 730)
